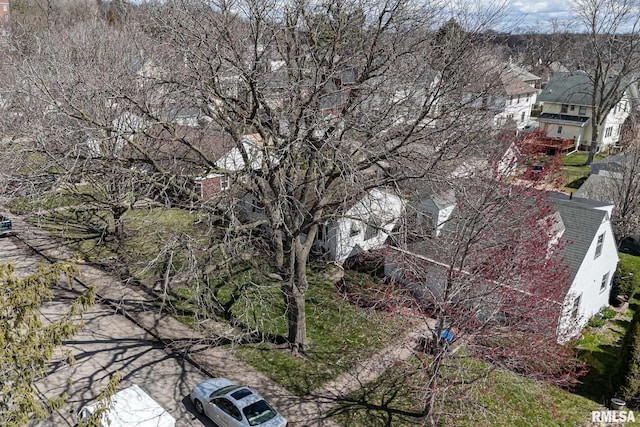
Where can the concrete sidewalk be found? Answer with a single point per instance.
(215, 361)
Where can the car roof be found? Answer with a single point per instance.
(243, 397)
(205, 388)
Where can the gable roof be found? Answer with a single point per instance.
(582, 220)
(521, 73)
(616, 161)
(576, 89)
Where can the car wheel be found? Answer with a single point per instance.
(199, 408)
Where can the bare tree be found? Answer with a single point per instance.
(622, 185)
(488, 278)
(613, 28)
(339, 94)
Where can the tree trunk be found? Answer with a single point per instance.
(594, 144)
(118, 220)
(294, 290)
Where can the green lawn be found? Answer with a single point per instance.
(574, 171)
(601, 347)
(481, 396)
(340, 334)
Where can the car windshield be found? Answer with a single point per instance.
(258, 412)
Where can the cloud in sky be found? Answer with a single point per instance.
(531, 14)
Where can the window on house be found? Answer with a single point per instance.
(372, 229)
(5, 7)
(608, 131)
(522, 117)
(564, 109)
(559, 129)
(582, 111)
(224, 182)
(605, 282)
(573, 107)
(599, 245)
(576, 307)
(518, 99)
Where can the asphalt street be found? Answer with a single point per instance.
(108, 342)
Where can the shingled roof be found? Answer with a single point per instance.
(576, 89)
(582, 219)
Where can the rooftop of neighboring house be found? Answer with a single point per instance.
(611, 162)
(598, 187)
(521, 73)
(573, 89)
(513, 85)
(500, 82)
(578, 223)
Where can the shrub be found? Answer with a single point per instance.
(596, 321)
(625, 281)
(629, 368)
(608, 313)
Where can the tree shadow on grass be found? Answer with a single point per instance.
(602, 378)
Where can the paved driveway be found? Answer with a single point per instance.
(109, 342)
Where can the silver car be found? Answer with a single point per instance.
(231, 405)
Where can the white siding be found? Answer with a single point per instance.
(588, 279)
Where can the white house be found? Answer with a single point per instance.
(566, 111)
(591, 255)
(231, 161)
(526, 76)
(504, 97)
(587, 247)
(364, 226)
(433, 212)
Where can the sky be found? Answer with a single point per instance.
(536, 14)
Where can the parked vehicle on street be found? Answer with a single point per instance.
(231, 405)
(5, 226)
(129, 407)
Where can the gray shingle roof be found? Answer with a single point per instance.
(581, 223)
(598, 187)
(521, 73)
(573, 89)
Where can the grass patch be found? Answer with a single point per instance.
(339, 335)
(483, 396)
(601, 346)
(630, 262)
(574, 171)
